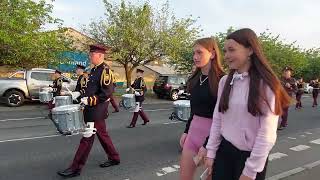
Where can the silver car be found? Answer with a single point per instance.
(26, 84)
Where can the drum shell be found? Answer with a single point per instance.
(69, 118)
(63, 101)
(128, 100)
(182, 109)
(45, 96)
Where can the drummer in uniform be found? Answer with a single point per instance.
(290, 85)
(55, 89)
(300, 91)
(315, 84)
(139, 88)
(82, 80)
(96, 99)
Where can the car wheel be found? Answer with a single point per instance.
(174, 95)
(14, 98)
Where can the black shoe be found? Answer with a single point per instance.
(130, 126)
(145, 123)
(69, 173)
(281, 128)
(109, 163)
(49, 116)
(115, 111)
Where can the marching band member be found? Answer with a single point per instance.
(290, 85)
(55, 88)
(300, 91)
(140, 89)
(95, 97)
(315, 84)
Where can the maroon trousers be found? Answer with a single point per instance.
(136, 115)
(87, 143)
(114, 104)
(315, 96)
(284, 117)
(50, 106)
(298, 98)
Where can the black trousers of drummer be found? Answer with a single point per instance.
(315, 94)
(298, 98)
(139, 111)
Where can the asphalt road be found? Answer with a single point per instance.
(31, 149)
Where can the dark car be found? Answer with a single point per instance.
(170, 86)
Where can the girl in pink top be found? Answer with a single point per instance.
(245, 119)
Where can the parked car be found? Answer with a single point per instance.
(25, 85)
(171, 86)
(307, 88)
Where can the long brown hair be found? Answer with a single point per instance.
(260, 72)
(215, 72)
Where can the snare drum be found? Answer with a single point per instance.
(45, 96)
(128, 101)
(63, 101)
(68, 119)
(182, 109)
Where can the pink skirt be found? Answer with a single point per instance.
(198, 132)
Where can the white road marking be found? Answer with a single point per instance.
(176, 166)
(312, 165)
(291, 138)
(154, 110)
(317, 141)
(21, 119)
(294, 171)
(303, 135)
(159, 174)
(174, 122)
(167, 170)
(300, 148)
(309, 133)
(30, 138)
(276, 155)
(286, 174)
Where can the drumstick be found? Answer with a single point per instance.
(68, 89)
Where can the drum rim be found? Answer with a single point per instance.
(64, 108)
(63, 97)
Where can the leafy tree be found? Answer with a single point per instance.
(139, 34)
(23, 43)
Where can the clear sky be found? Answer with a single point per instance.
(294, 20)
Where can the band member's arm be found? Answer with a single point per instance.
(133, 84)
(311, 84)
(106, 89)
(143, 86)
(294, 86)
(78, 86)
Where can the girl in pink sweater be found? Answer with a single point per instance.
(245, 119)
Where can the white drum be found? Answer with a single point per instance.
(68, 119)
(182, 109)
(128, 101)
(63, 101)
(45, 96)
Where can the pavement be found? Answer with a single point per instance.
(31, 149)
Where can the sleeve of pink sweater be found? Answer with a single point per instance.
(215, 131)
(265, 139)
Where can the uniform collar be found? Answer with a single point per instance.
(96, 66)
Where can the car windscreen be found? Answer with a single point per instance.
(160, 80)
